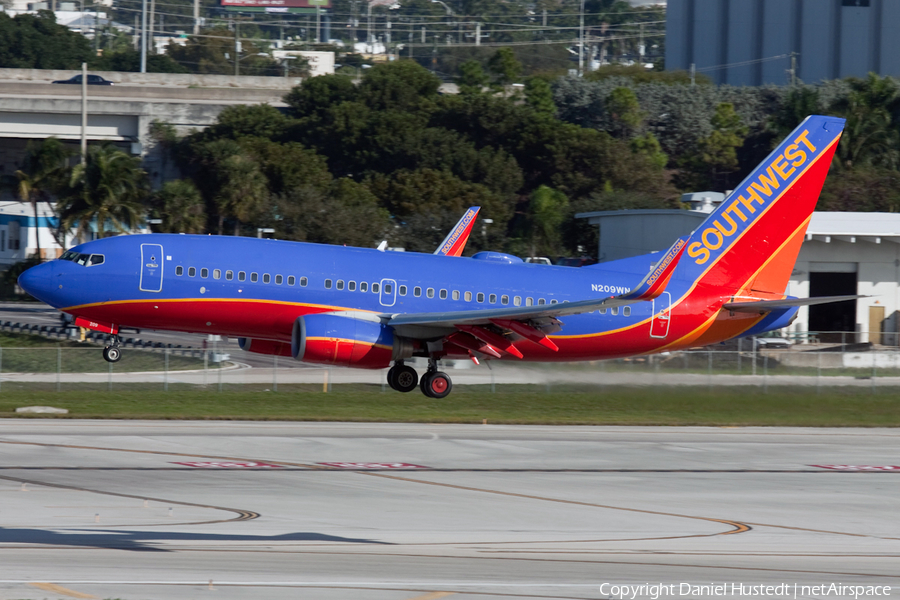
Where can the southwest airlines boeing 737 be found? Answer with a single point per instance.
(371, 309)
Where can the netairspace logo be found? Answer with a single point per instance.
(655, 591)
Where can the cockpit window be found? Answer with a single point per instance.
(85, 260)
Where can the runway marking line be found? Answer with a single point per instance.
(737, 526)
(52, 587)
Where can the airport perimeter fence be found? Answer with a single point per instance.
(762, 363)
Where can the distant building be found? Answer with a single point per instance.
(845, 253)
(19, 232)
(750, 42)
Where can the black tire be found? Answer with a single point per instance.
(392, 377)
(112, 354)
(423, 383)
(439, 385)
(405, 378)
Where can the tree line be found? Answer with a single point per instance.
(393, 158)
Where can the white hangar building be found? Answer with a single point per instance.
(845, 253)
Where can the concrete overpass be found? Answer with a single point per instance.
(33, 108)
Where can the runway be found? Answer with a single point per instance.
(113, 509)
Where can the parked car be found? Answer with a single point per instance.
(538, 260)
(773, 342)
(582, 261)
(91, 80)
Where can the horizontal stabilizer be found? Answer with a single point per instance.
(766, 305)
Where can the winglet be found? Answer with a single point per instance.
(656, 280)
(455, 242)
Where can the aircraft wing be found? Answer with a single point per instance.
(767, 305)
(484, 316)
(490, 331)
(455, 242)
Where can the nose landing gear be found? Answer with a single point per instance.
(111, 353)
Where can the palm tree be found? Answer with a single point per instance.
(43, 170)
(245, 192)
(109, 187)
(870, 136)
(181, 207)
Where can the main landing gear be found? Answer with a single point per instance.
(433, 384)
(111, 353)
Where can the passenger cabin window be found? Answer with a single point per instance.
(254, 277)
(279, 280)
(430, 292)
(229, 275)
(529, 301)
(217, 274)
(493, 299)
(351, 285)
(375, 288)
(204, 273)
(363, 286)
(192, 272)
(517, 301)
(291, 280)
(602, 311)
(479, 297)
(614, 310)
(388, 288)
(468, 296)
(266, 278)
(402, 290)
(456, 294)
(327, 284)
(340, 284)
(417, 291)
(303, 281)
(504, 299)
(179, 270)
(626, 311)
(443, 294)
(241, 276)
(552, 301)
(541, 301)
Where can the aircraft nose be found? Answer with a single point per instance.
(39, 281)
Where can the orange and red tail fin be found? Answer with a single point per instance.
(750, 243)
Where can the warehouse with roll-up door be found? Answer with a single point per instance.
(844, 253)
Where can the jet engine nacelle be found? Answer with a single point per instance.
(265, 347)
(347, 339)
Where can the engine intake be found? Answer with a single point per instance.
(347, 339)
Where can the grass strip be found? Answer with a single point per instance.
(511, 404)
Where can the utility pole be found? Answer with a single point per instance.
(152, 20)
(369, 46)
(237, 48)
(477, 34)
(196, 17)
(143, 36)
(693, 74)
(793, 68)
(83, 112)
(581, 41)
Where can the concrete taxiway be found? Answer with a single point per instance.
(113, 509)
